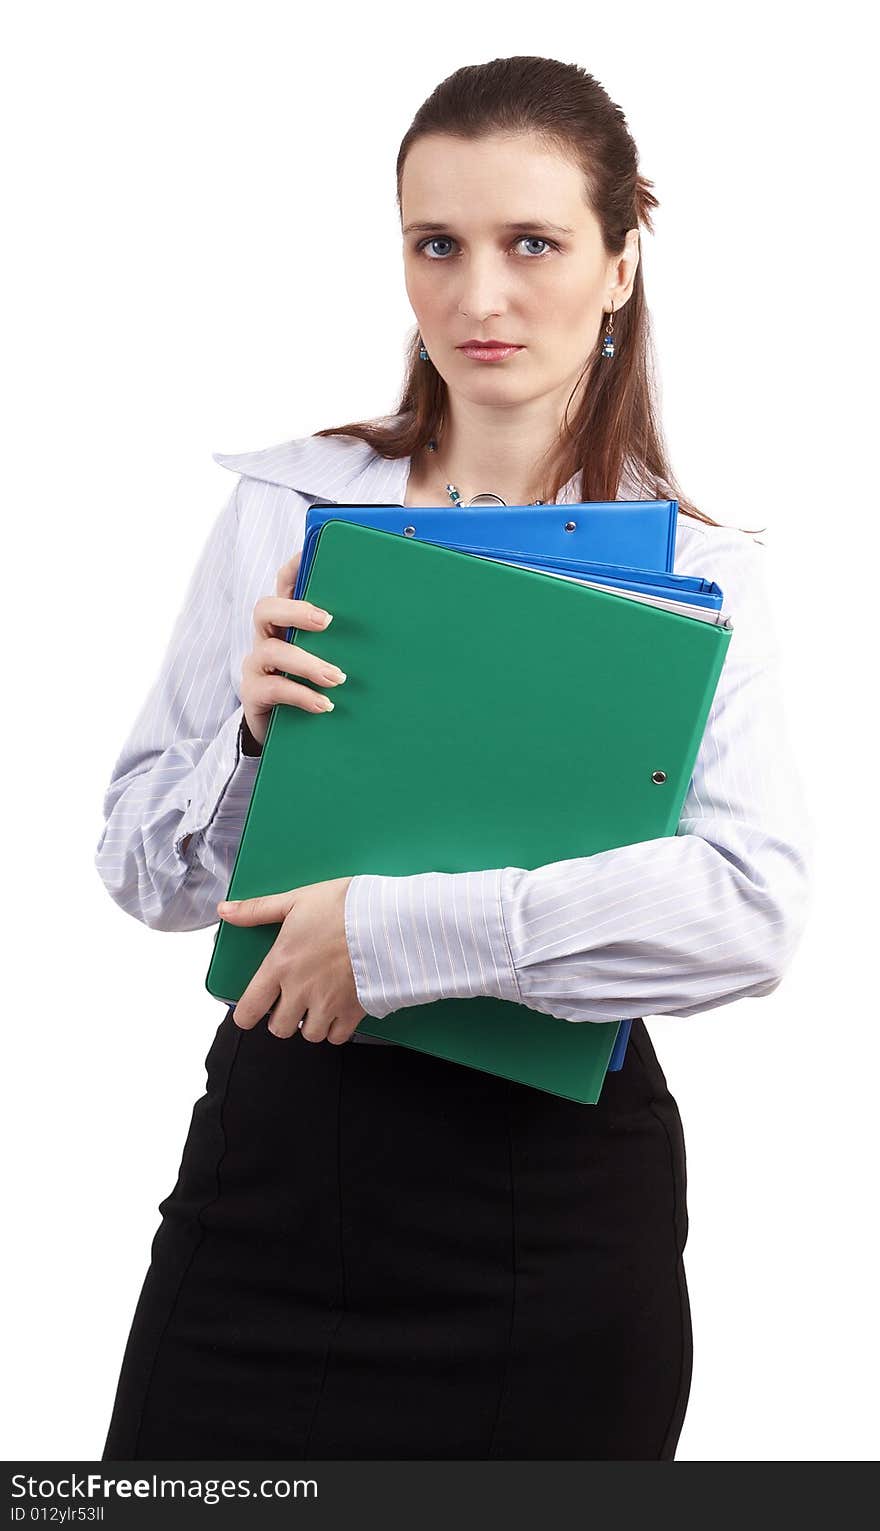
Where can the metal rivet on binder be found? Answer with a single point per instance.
(658, 776)
(409, 531)
(570, 526)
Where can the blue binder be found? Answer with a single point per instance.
(640, 533)
(627, 544)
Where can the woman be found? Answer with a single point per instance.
(370, 1252)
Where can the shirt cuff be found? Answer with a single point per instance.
(221, 787)
(436, 935)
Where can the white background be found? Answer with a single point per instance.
(204, 255)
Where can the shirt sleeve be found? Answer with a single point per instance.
(179, 791)
(671, 926)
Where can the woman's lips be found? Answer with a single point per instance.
(489, 353)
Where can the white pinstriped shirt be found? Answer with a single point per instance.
(669, 926)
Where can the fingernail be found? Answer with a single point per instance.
(326, 704)
(324, 617)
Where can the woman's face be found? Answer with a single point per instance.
(512, 253)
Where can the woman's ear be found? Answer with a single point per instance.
(623, 270)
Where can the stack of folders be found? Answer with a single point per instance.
(513, 699)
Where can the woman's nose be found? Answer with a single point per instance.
(481, 290)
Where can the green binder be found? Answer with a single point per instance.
(492, 716)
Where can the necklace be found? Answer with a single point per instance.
(478, 499)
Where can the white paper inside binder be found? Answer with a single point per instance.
(681, 608)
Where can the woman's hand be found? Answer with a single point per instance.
(262, 686)
(308, 966)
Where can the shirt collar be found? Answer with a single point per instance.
(331, 468)
(347, 470)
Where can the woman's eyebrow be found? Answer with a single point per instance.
(529, 223)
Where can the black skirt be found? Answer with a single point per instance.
(373, 1253)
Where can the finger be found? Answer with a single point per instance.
(285, 581)
(315, 1026)
(271, 687)
(272, 613)
(265, 909)
(341, 1031)
(257, 1000)
(289, 657)
(288, 1014)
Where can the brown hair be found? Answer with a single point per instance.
(617, 425)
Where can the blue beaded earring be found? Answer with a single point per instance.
(608, 342)
(422, 352)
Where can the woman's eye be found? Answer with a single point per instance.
(527, 239)
(437, 240)
(534, 239)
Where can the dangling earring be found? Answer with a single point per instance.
(608, 342)
(422, 352)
